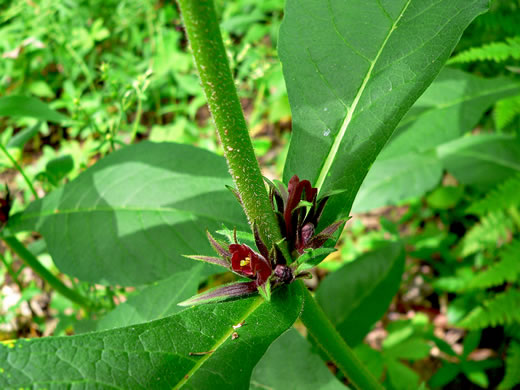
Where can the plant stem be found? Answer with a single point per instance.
(19, 169)
(212, 64)
(326, 335)
(11, 272)
(210, 57)
(137, 120)
(31, 260)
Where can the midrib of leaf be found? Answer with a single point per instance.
(255, 305)
(350, 111)
(458, 101)
(494, 160)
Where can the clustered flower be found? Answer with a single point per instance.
(298, 210)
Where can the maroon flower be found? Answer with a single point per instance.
(299, 211)
(243, 261)
(248, 263)
(5, 207)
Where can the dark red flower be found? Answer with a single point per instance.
(299, 211)
(248, 263)
(5, 207)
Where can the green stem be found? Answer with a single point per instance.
(31, 260)
(210, 57)
(11, 272)
(324, 333)
(137, 120)
(19, 169)
(212, 64)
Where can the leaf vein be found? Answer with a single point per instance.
(348, 118)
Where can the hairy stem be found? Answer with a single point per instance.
(212, 64)
(19, 169)
(324, 333)
(31, 260)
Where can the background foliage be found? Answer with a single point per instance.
(81, 79)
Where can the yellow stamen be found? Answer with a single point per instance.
(245, 262)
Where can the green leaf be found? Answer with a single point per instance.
(506, 195)
(302, 368)
(358, 294)
(505, 269)
(24, 106)
(475, 373)
(371, 358)
(59, 167)
(401, 377)
(444, 198)
(353, 68)
(471, 341)
(492, 228)
(393, 180)
(500, 310)
(157, 355)
(494, 51)
(444, 375)
(312, 257)
(409, 165)
(153, 302)
(128, 219)
(506, 111)
(512, 376)
(21, 138)
(413, 349)
(482, 160)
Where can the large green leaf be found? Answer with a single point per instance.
(483, 160)
(409, 165)
(303, 369)
(128, 219)
(355, 296)
(157, 355)
(155, 301)
(25, 106)
(353, 68)
(392, 180)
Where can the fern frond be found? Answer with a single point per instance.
(507, 194)
(502, 309)
(507, 269)
(506, 110)
(492, 229)
(494, 51)
(512, 377)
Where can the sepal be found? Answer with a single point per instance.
(312, 257)
(217, 246)
(265, 290)
(210, 260)
(222, 293)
